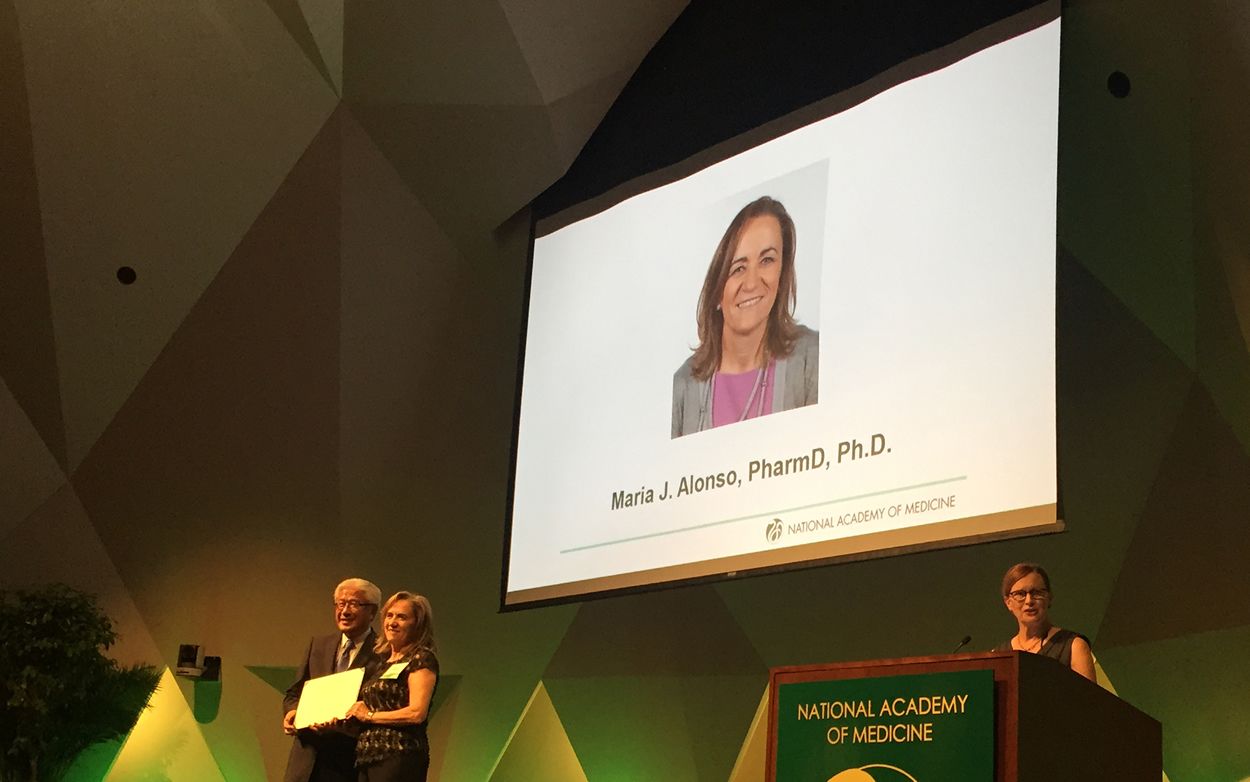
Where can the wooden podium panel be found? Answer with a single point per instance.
(1050, 723)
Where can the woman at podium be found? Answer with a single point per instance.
(1027, 595)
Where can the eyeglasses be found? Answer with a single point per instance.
(352, 604)
(1019, 595)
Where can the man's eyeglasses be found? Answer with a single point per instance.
(352, 604)
(1019, 595)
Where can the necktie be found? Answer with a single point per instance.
(346, 658)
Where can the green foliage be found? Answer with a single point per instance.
(59, 693)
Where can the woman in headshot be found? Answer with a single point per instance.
(394, 704)
(1027, 595)
(753, 358)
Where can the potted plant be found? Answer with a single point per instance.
(59, 692)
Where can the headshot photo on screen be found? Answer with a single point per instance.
(753, 356)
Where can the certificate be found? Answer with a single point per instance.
(328, 697)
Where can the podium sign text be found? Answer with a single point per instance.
(921, 727)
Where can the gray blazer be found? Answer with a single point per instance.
(797, 378)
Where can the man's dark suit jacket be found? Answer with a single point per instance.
(332, 754)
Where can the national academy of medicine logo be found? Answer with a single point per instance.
(880, 772)
(773, 531)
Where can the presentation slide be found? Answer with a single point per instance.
(839, 343)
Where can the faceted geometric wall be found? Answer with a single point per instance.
(312, 376)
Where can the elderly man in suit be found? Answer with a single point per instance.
(330, 756)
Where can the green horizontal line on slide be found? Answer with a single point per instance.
(758, 515)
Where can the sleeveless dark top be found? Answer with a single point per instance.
(378, 742)
(1057, 647)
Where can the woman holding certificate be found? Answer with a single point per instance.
(395, 699)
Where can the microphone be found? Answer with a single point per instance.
(967, 639)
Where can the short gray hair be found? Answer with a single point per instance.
(368, 587)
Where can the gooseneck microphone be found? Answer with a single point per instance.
(967, 639)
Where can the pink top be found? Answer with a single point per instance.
(731, 393)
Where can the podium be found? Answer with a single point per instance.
(1037, 720)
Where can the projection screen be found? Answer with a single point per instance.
(916, 405)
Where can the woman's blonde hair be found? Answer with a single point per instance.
(422, 632)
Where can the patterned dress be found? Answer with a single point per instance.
(379, 742)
